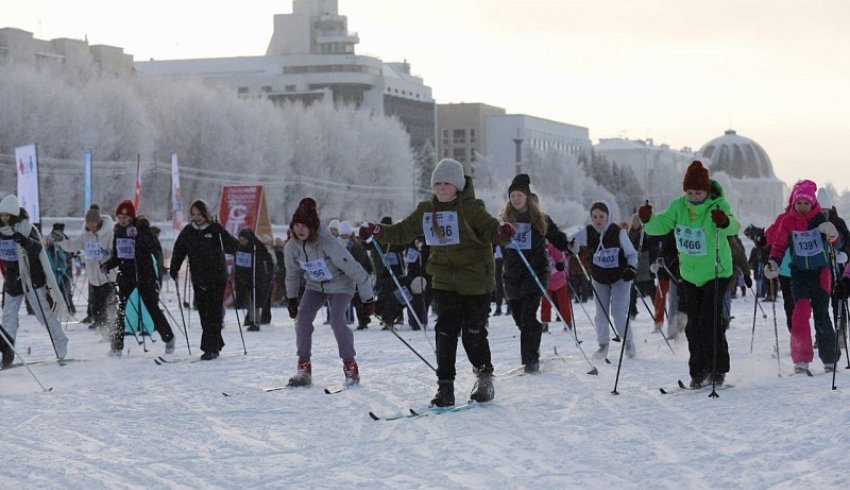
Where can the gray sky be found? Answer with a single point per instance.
(680, 72)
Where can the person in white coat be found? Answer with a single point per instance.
(613, 266)
(95, 244)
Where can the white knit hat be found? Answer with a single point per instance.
(10, 205)
(333, 224)
(449, 171)
(345, 228)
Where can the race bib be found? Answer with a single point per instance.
(243, 259)
(807, 243)
(392, 259)
(125, 248)
(607, 258)
(447, 224)
(8, 250)
(522, 238)
(317, 270)
(691, 241)
(93, 251)
(411, 256)
(403, 295)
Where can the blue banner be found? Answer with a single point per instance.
(86, 181)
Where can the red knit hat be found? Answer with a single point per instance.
(696, 178)
(126, 207)
(306, 214)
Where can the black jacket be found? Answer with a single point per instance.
(138, 267)
(251, 267)
(204, 249)
(516, 279)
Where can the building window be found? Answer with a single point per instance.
(459, 154)
(242, 90)
(459, 136)
(445, 153)
(290, 88)
(267, 89)
(471, 135)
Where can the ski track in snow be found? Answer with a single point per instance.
(128, 423)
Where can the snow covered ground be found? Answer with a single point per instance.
(128, 423)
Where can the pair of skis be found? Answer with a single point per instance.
(682, 387)
(330, 390)
(425, 411)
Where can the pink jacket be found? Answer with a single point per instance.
(557, 279)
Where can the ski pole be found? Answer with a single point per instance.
(652, 315)
(165, 308)
(753, 336)
(401, 291)
(23, 361)
(38, 299)
(771, 285)
(573, 313)
(714, 328)
(182, 317)
(233, 297)
(844, 331)
(586, 314)
(836, 350)
(629, 317)
(516, 248)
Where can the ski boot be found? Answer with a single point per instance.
(828, 368)
(303, 376)
(352, 374)
(544, 327)
(209, 356)
(498, 311)
(483, 390)
(697, 381)
(718, 378)
(630, 349)
(532, 367)
(601, 352)
(801, 367)
(445, 396)
(169, 346)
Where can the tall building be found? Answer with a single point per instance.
(311, 58)
(462, 130)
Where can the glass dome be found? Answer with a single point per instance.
(737, 156)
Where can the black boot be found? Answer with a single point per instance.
(8, 353)
(483, 390)
(445, 396)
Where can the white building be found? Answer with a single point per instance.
(311, 58)
(537, 134)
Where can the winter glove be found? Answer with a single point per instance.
(656, 266)
(505, 232)
(829, 230)
(842, 288)
(719, 217)
(56, 237)
(748, 281)
(293, 308)
(19, 238)
(559, 266)
(370, 230)
(368, 308)
(573, 246)
(645, 212)
(629, 274)
(771, 270)
(841, 258)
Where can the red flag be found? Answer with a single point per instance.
(138, 180)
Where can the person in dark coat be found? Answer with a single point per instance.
(204, 241)
(134, 253)
(254, 266)
(387, 306)
(358, 251)
(533, 229)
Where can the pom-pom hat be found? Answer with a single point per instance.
(696, 178)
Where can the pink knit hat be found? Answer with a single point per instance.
(804, 190)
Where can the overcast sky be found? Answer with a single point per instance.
(678, 71)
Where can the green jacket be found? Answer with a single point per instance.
(697, 250)
(467, 268)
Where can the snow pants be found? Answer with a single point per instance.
(811, 296)
(612, 302)
(660, 300)
(102, 304)
(149, 295)
(311, 303)
(210, 301)
(562, 298)
(703, 335)
(38, 299)
(463, 316)
(524, 311)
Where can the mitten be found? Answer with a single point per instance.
(645, 212)
(629, 274)
(505, 232)
(573, 246)
(370, 230)
(771, 270)
(719, 217)
(748, 281)
(829, 230)
(292, 306)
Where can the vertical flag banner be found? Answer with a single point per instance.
(138, 181)
(26, 160)
(242, 206)
(176, 203)
(86, 180)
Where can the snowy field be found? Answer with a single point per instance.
(129, 423)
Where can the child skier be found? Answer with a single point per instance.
(612, 272)
(701, 219)
(460, 233)
(534, 228)
(802, 231)
(331, 274)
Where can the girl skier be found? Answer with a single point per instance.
(612, 270)
(557, 289)
(331, 274)
(801, 231)
(26, 273)
(701, 219)
(533, 229)
(204, 241)
(460, 233)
